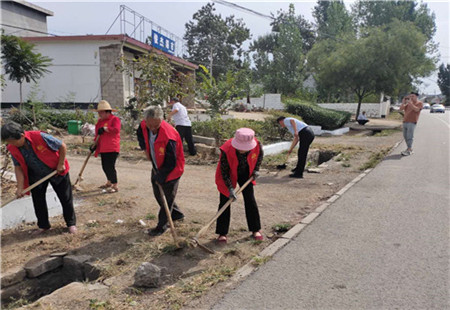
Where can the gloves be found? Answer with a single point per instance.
(255, 174)
(92, 148)
(101, 131)
(232, 194)
(158, 178)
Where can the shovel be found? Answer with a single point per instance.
(169, 216)
(194, 240)
(283, 166)
(79, 179)
(29, 188)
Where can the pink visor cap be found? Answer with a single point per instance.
(244, 139)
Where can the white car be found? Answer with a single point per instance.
(426, 106)
(437, 108)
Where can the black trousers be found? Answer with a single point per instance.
(63, 189)
(109, 166)
(362, 121)
(170, 192)
(306, 137)
(251, 209)
(186, 133)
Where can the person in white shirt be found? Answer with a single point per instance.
(362, 118)
(304, 135)
(182, 123)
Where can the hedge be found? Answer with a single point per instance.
(266, 131)
(313, 114)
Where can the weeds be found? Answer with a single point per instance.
(17, 303)
(386, 132)
(282, 227)
(375, 159)
(150, 216)
(258, 260)
(95, 304)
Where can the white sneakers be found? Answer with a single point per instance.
(407, 153)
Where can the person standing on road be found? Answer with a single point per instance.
(302, 133)
(240, 159)
(107, 130)
(411, 107)
(182, 123)
(163, 147)
(35, 155)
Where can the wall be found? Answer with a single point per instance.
(75, 69)
(112, 80)
(15, 14)
(372, 109)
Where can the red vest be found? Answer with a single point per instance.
(165, 133)
(109, 141)
(43, 152)
(230, 151)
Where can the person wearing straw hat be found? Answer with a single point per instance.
(107, 130)
(36, 154)
(240, 159)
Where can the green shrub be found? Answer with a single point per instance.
(312, 114)
(44, 118)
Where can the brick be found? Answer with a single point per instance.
(41, 265)
(274, 247)
(333, 198)
(13, 276)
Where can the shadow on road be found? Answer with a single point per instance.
(393, 157)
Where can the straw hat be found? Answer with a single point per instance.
(244, 139)
(104, 105)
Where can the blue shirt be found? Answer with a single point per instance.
(300, 125)
(36, 168)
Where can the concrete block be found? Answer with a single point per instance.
(294, 231)
(13, 276)
(42, 264)
(322, 208)
(274, 247)
(205, 149)
(74, 267)
(310, 218)
(276, 148)
(343, 190)
(333, 198)
(204, 140)
(91, 271)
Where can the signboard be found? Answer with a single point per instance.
(163, 43)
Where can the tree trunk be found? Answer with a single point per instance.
(211, 64)
(20, 91)
(360, 98)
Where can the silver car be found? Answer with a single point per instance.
(437, 108)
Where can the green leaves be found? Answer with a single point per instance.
(444, 81)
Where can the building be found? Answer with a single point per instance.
(23, 19)
(83, 70)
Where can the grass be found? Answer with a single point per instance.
(150, 216)
(374, 159)
(258, 260)
(95, 304)
(282, 227)
(385, 133)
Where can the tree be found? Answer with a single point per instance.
(332, 19)
(444, 81)
(279, 56)
(387, 59)
(21, 63)
(214, 41)
(221, 92)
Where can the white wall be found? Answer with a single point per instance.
(75, 68)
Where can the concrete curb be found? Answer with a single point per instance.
(248, 268)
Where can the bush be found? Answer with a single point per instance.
(312, 114)
(44, 118)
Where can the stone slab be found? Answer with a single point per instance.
(322, 207)
(13, 276)
(204, 140)
(274, 247)
(42, 264)
(310, 218)
(333, 198)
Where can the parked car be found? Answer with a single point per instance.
(437, 108)
(426, 106)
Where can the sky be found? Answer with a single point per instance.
(86, 17)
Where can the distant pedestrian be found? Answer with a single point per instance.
(108, 145)
(163, 147)
(35, 155)
(182, 123)
(412, 107)
(240, 159)
(362, 118)
(302, 133)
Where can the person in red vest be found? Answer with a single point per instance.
(163, 147)
(108, 144)
(240, 159)
(36, 154)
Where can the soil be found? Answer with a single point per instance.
(120, 248)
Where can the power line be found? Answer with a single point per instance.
(28, 29)
(236, 6)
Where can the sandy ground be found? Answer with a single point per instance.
(280, 199)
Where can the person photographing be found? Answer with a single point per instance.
(411, 107)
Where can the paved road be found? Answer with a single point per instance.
(383, 245)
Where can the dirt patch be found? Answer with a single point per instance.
(121, 246)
